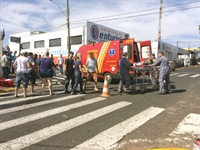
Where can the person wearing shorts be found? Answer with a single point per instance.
(22, 64)
(92, 69)
(46, 71)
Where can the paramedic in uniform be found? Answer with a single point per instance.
(124, 67)
(163, 62)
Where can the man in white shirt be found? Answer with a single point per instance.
(21, 64)
(60, 64)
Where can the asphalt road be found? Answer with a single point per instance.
(89, 122)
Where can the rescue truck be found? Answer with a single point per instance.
(108, 55)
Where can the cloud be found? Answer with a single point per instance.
(44, 15)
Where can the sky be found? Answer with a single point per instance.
(139, 18)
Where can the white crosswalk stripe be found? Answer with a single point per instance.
(194, 76)
(109, 137)
(18, 108)
(174, 74)
(56, 129)
(182, 75)
(189, 126)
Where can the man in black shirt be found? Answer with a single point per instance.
(69, 62)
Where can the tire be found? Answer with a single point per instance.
(133, 88)
(109, 77)
(142, 89)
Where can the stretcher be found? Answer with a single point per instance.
(143, 72)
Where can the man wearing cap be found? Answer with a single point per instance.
(21, 64)
(124, 67)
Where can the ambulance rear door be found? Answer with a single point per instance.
(145, 50)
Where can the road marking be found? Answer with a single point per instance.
(189, 125)
(40, 135)
(33, 117)
(22, 99)
(194, 76)
(107, 138)
(183, 75)
(13, 109)
(174, 74)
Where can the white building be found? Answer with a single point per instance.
(56, 42)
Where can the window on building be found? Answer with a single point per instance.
(55, 42)
(39, 44)
(75, 40)
(26, 45)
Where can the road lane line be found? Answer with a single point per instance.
(40, 135)
(16, 100)
(13, 109)
(174, 74)
(189, 125)
(183, 75)
(194, 76)
(40, 115)
(107, 138)
(24, 99)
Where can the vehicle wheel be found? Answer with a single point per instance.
(155, 87)
(133, 88)
(109, 77)
(142, 89)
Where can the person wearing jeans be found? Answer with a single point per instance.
(69, 62)
(78, 76)
(60, 64)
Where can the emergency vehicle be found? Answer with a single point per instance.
(108, 55)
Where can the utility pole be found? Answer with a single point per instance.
(160, 21)
(68, 28)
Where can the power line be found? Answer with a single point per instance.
(124, 17)
(59, 7)
(135, 12)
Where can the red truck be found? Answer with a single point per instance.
(108, 55)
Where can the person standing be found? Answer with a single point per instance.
(5, 64)
(35, 58)
(13, 60)
(78, 76)
(21, 64)
(124, 67)
(164, 74)
(154, 74)
(60, 64)
(31, 71)
(92, 70)
(9, 57)
(46, 71)
(69, 62)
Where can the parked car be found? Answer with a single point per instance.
(172, 65)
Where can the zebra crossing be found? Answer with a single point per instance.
(103, 140)
(182, 74)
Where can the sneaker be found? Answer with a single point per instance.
(67, 92)
(83, 92)
(72, 93)
(161, 93)
(96, 89)
(120, 92)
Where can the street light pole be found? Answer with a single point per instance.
(68, 28)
